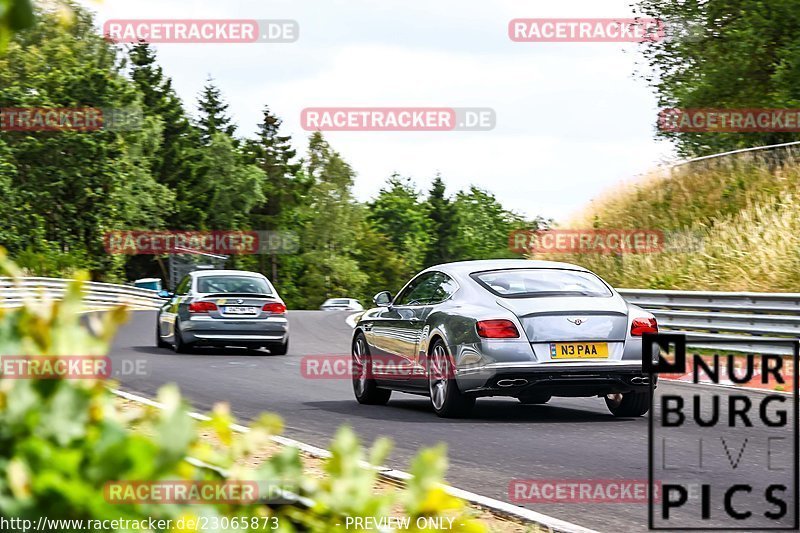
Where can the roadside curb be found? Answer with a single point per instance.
(495, 506)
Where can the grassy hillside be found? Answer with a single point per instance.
(741, 210)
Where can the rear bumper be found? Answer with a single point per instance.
(235, 332)
(556, 379)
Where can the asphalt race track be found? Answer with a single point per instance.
(503, 440)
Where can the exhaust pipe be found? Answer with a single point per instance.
(512, 382)
(639, 380)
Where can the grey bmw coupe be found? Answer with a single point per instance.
(526, 329)
(223, 308)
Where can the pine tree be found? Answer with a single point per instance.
(442, 215)
(274, 155)
(213, 113)
(173, 163)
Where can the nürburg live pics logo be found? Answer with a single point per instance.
(723, 448)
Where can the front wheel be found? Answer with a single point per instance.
(447, 400)
(629, 404)
(364, 385)
(160, 343)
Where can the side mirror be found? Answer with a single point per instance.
(382, 299)
(163, 293)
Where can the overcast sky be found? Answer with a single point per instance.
(572, 118)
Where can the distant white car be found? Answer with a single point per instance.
(342, 304)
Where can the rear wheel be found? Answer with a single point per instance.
(447, 400)
(535, 398)
(628, 404)
(179, 345)
(364, 386)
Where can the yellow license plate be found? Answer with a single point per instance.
(579, 350)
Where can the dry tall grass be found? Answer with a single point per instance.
(741, 210)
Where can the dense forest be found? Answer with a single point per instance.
(188, 167)
(725, 54)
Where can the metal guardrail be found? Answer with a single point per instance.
(734, 152)
(771, 318)
(13, 293)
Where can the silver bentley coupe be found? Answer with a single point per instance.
(526, 329)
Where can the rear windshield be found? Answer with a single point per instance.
(338, 302)
(536, 282)
(221, 284)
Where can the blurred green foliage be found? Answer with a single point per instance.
(62, 440)
(721, 55)
(15, 15)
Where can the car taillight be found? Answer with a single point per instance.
(640, 326)
(274, 307)
(202, 307)
(497, 329)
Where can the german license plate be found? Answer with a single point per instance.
(231, 310)
(579, 350)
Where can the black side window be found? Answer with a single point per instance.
(410, 295)
(183, 286)
(446, 288)
(429, 289)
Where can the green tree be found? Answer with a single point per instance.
(483, 226)
(385, 268)
(442, 224)
(213, 113)
(231, 188)
(172, 164)
(724, 54)
(74, 186)
(329, 222)
(273, 154)
(399, 213)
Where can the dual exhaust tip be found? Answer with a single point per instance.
(640, 380)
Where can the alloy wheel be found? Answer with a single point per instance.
(437, 376)
(359, 367)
